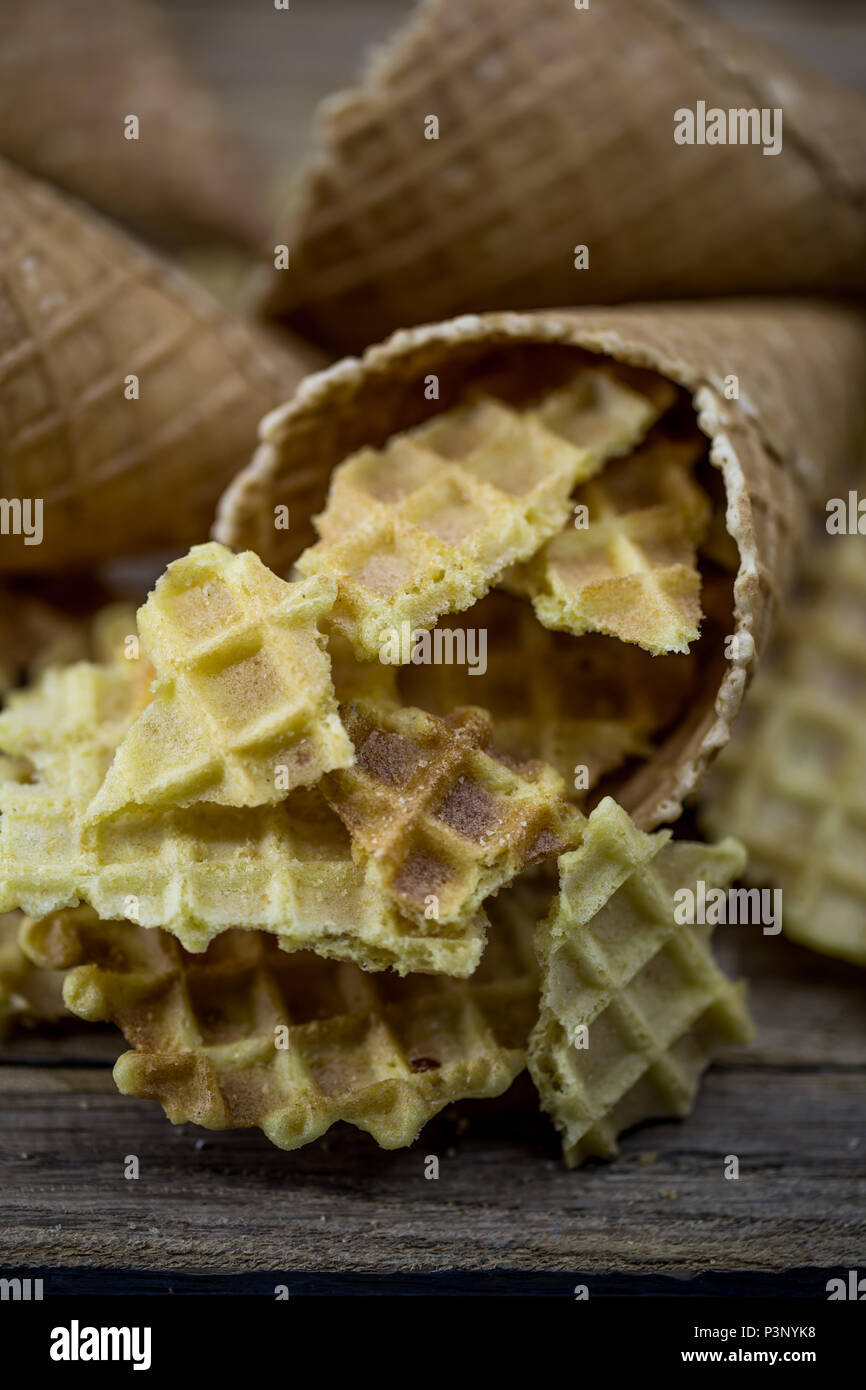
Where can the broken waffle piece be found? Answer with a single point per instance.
(606, 410)
(583, 706)
(425, 525)
(197, 871)
(29, 994)
(633, 1006)
(792, 782)
(246, 1035)
(70, 722)
(243, 708)
(630, 570)
(437, 816)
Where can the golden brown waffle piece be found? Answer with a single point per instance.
(285, 869)
(633, 1006)
(437, 816)
(792, 782)
(249, 1035)
(128, 399)
(243, 708)
(555, 126)
(424, 526)
(630, 569)
(583, 705)
(29, 994)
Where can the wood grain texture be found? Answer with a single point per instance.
(791, 1107)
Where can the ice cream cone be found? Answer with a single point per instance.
(778, 388)
(492, 141)
(128, 398)
(71, 76)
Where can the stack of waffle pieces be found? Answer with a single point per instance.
(319, 862)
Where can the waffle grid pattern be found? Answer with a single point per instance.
(632, 571)
(654, 1003)
(605, 409)
(381, 1053)
(397, 229)
(434, 813)
(425, 525)
(244, 688)
(792, 782)
(286, 870)
(81, 310)
(591, 703)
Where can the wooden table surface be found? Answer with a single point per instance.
(791, 1106)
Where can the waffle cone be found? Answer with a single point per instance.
(556, 129)
(83, 308)
(800, 369)
(69, 77)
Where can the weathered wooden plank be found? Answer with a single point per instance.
(231, 1201)
(791, 1108)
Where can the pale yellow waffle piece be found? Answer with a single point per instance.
(285, 869)
(243, 708)
(602, 410)
(791, 784)
(69, 724)
(114, 635)
(437, 816)
(655, 1007)
(248, 1035)
(424, 526)
(114, 638)
(631, 570)
(29, 994)
(583, 705)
